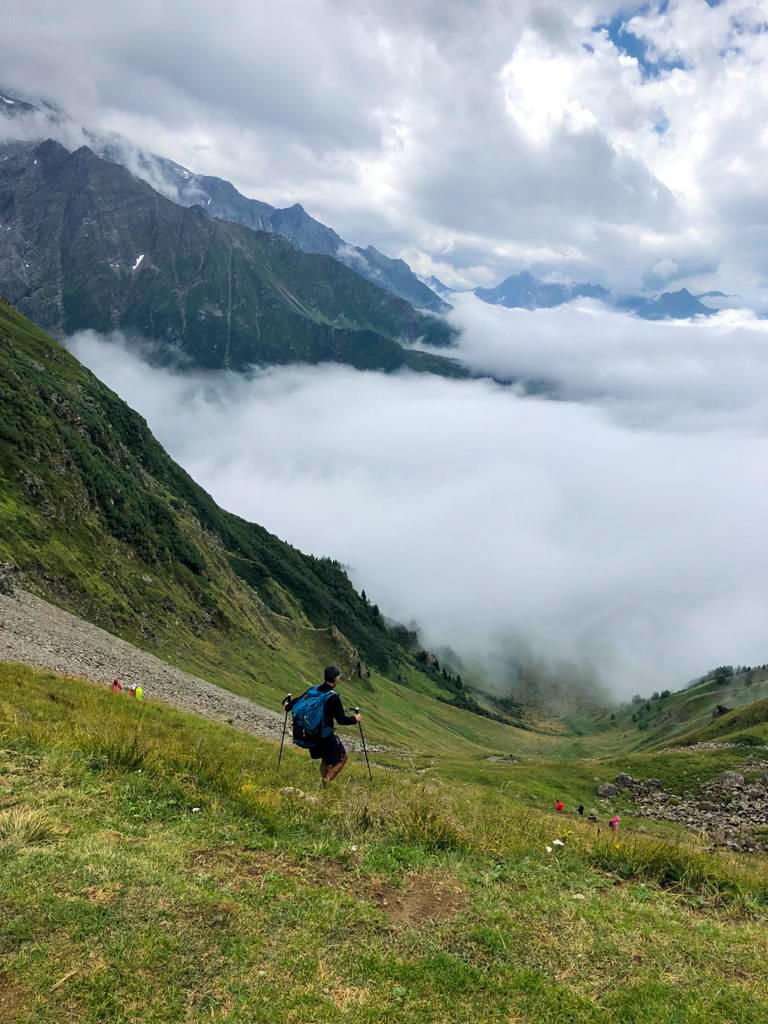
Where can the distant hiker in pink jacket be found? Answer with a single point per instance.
(613, 824)
(560, 806)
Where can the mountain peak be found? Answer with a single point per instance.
(524, 291)
(679, 305)
(50, 149)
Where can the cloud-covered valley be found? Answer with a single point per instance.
(618, 527)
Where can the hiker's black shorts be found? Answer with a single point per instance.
(331, 750)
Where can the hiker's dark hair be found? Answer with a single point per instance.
(332, 673)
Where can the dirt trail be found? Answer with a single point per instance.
(37, 633)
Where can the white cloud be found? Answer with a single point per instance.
(706, 374)
(624, 532)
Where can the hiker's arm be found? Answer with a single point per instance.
(337, 713)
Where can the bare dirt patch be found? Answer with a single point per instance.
(249, 865)
(11, 999)
(423, 899)
(101, 896)
(220, 914)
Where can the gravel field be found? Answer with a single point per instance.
(37, 633)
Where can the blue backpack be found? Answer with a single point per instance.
(309, 718)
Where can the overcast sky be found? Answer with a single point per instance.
(620, 529)
(624, 143)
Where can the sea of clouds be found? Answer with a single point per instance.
(617, 524)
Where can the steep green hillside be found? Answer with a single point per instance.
(156, 871)
(673, 718)
(87, 245)
(93, 507)
(745, 725)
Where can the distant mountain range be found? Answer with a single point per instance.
(281, 309)
(86, 244)
(221, 199)
(524, 291)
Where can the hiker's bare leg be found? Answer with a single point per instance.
(328, 772)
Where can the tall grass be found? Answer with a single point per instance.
(681, 868)
(22, 826)
(126, 748)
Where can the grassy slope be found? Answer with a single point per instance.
(684, 714)
(122, 903)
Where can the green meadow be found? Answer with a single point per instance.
(155, 869)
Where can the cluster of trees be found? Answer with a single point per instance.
(644, 706)
(443, 677)
(724, 674)
(454, 684)
(637, 699)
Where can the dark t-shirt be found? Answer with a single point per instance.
(334, 709)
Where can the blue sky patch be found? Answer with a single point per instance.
(633, 45)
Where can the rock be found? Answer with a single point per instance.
(7, 571)
(607, 789)
(624, 781)
(730, 779)
(298, 794)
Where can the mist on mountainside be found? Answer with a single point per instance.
(613, 534)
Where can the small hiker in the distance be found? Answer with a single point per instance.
(315, 713)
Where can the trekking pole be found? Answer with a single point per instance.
(365, 751)
(286, 702)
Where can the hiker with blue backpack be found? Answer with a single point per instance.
(315, 715)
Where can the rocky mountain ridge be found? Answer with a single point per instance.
(221, 199)
(86, 244)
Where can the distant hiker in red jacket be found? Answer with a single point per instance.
(559, 806)
(613, 824)
(116, 687)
